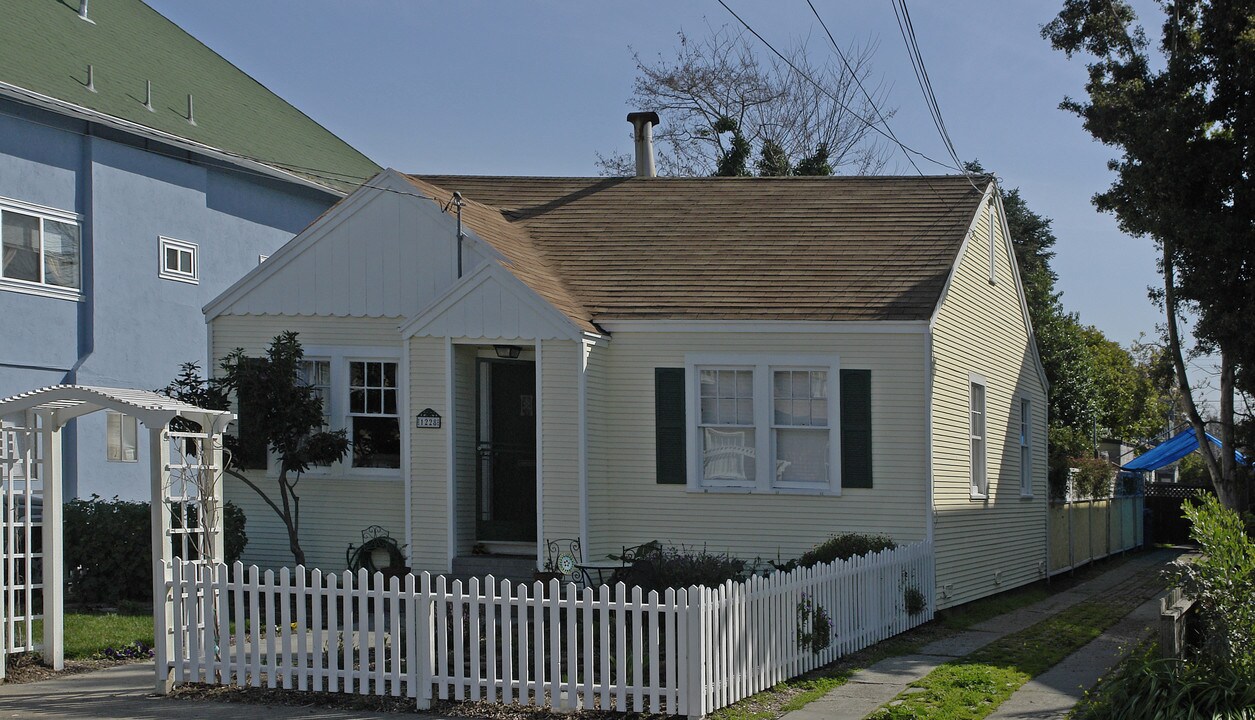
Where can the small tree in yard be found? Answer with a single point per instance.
(280, 414)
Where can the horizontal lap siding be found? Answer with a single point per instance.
(985, 546)
(559, 406)
(631, 508)
(596, 415)
(334, 510)
(429, 496)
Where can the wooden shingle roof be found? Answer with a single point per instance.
(837, 248)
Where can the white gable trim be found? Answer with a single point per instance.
(991, 195)
(544, 321)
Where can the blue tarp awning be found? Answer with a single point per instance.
(1173, 449)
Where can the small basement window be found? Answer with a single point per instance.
(179, 261)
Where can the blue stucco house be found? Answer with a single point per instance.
(141, 174)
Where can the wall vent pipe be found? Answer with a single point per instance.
(643, 134)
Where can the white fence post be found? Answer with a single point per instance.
(159, 459)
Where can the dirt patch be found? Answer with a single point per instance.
(29, 667)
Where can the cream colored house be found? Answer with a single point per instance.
(739, 364)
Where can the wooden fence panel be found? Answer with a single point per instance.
(686, 651)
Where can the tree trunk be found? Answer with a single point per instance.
(1183, 382)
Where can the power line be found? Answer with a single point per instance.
(850, 69)
(907, 28)
(870, 125)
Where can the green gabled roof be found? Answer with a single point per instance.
(45, 48)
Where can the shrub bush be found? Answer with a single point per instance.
(841, 546)
(1148, 686)
(1092, 478)
(658, 567)
(107, 546)
(1222, 584)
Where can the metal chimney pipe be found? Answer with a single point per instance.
(643, 133)
(82, 10)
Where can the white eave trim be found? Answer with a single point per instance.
(67, 108)
(767, 326)
(468, 284)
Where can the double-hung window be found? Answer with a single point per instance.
(800, 433)
(727, 426)
(976, 412)
(39, 250)
(763, 423)
(374, 426)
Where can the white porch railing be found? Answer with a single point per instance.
(684, 652)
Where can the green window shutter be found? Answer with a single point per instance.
(856, 428)
(669, 427)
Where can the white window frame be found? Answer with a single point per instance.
(337, 408)
(123, 425)
(978, 458)
(1026, 447)
(763, 366)
(44, 214)
(164, 244)
(350, 415)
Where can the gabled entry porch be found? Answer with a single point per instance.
(503, 470)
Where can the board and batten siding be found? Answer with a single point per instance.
(985, 546)
(334, 510)
(628, 507)
(559, 438)
(429, 455)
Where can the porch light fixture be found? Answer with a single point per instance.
(507, 352)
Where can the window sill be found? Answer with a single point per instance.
(825, 492)
(49, 291)
(977, 496)
(1028, 496)
(186, 279)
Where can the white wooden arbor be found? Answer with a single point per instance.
(186, 500)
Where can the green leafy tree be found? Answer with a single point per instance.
(280, 414)
(1181, 112)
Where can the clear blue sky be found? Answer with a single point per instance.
(538, 88)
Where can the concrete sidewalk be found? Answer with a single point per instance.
(1060, 687)
(126, 691)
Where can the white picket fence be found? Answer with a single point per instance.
(682, 652)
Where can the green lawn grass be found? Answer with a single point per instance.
(88, 635)
(973, 686)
